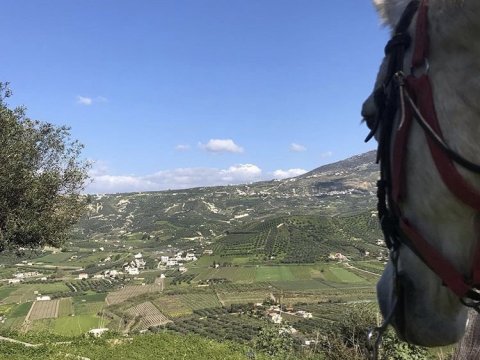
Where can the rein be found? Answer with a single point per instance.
(412, 97)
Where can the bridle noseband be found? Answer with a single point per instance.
(411, 96)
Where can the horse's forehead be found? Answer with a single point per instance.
(390, 10)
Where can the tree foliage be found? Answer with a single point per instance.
(41, 179)
(348, 339)
(272, 341)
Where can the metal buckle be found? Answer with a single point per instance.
(420, 70)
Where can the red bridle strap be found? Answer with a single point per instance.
(450, 276)
(420, 90)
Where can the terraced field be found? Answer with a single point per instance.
(130, 291)
(149, 315)
(43, 310)
(183, 304)
(303, 239)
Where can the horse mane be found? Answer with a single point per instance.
(391, 10)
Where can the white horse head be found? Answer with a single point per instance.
(421, 309)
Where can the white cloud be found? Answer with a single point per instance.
(83, 100)
(181, 178)
(87, 101)
(241, 173)
(182, 147)
(221, 146)
(284, 174)
(326, 154)
(98, 168)
(297, 147)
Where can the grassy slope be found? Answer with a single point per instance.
(155, 347)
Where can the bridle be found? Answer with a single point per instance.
(411, 96)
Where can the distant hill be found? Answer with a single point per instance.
(204, 214)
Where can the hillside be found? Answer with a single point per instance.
(205, 214)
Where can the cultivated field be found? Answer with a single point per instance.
(131, 291)
(43, 310)
(149, 315)
(26, 292)
(65, 307)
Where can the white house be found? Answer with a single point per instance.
(14, 281)
(43, 298)
(338, 256)
(172, 262)
(132, 270)
(140, 263)
(190, 257)
(112, 273)
(138, 256)
(82, 276)
(164, 259)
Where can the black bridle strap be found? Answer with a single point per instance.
(395, 48)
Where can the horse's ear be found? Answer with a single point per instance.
(390, 10)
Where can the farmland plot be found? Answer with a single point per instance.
(200, 301)
(43, 310)
(65, 307)
(235, 274)
(172, 305)
(25, 292)
(128, 292)
(149, 315)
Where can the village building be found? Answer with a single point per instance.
(14, 281)
(82, 276)
(172, 262)
(26, 274)
(112, 273)
(338, 256)
(132, 270)
(190, 257)
(43, 298)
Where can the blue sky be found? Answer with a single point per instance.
(181, 93)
